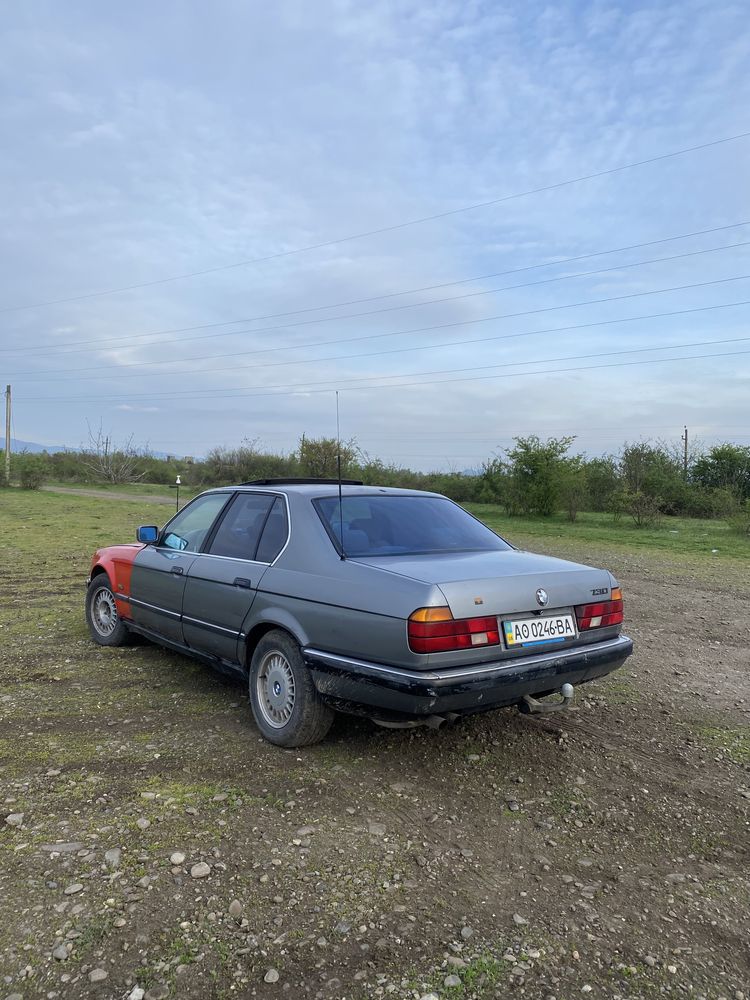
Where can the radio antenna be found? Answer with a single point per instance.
(338, 467)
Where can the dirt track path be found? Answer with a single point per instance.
(109, 495)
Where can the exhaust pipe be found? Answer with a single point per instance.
(431, 721)
(532, 706)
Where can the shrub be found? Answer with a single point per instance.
(739, 523)
(32, 471)
(645, 510)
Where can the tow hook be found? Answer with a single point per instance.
(532, 706)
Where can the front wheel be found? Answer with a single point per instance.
(287, 708)
(105, 625)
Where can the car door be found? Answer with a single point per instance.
(222, 581)
(159, 572)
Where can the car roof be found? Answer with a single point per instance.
(320, 487)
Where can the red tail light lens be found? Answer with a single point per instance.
(435, 630)
(601, 614)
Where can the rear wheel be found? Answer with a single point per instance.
(287, 708)
(105, 625)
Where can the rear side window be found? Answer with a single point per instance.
(404, 525)
(274, 534)
(240, 530)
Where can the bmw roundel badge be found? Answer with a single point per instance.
(542, 597)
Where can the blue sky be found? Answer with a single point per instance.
(145, 142)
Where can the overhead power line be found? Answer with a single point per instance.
(221, 391)
(387, 229)
(68, 347)
(306, 391)
(335, 381)
(56, 376)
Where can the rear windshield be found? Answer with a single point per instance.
(404, 525)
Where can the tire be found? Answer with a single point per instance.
(105, 625)
(287, 708)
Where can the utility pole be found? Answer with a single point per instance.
(7, 435)
(685, 455)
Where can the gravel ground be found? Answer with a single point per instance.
(151, 844)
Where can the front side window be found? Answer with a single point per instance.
(187, 530)
(240, 530)
(404, 525)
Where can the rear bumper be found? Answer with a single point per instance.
(376, 688)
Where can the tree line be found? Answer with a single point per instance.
(535, 477)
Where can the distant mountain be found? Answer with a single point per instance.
(16, 445)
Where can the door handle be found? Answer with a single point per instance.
(177, 570)
(242, 581)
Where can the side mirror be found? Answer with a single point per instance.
(147, 533)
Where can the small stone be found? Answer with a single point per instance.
(112, 857)
(201, 870)
(235, 909)
(473, 758)
(14, 819)
(519, 920)
(142, 823)
(177, 858)
(137, 993)
(342, 927)
(650, 961)
(272, 976)
(513, 805)
(158, 992)
(60, 953)
(586, 988)
(98, 975)
(451, 981)
(429, 996)
(71, 890)
(376, 829)
(466, 932)
(672, 969)
(68, 848)
(143, 883)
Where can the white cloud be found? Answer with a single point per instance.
(132, 155)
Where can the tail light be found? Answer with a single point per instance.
(602, 614)
(435, 630)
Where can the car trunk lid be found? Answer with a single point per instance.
(502, 583)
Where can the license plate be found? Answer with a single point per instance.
(538, 631)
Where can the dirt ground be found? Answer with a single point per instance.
(604, 851)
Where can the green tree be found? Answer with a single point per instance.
(725, 466)
(573, 478)
(318, 457)
(603, 481)
(536, 471)
(651, 470)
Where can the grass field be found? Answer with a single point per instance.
(678, 536)
(606, 848)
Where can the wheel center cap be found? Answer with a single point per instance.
(276, 688)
